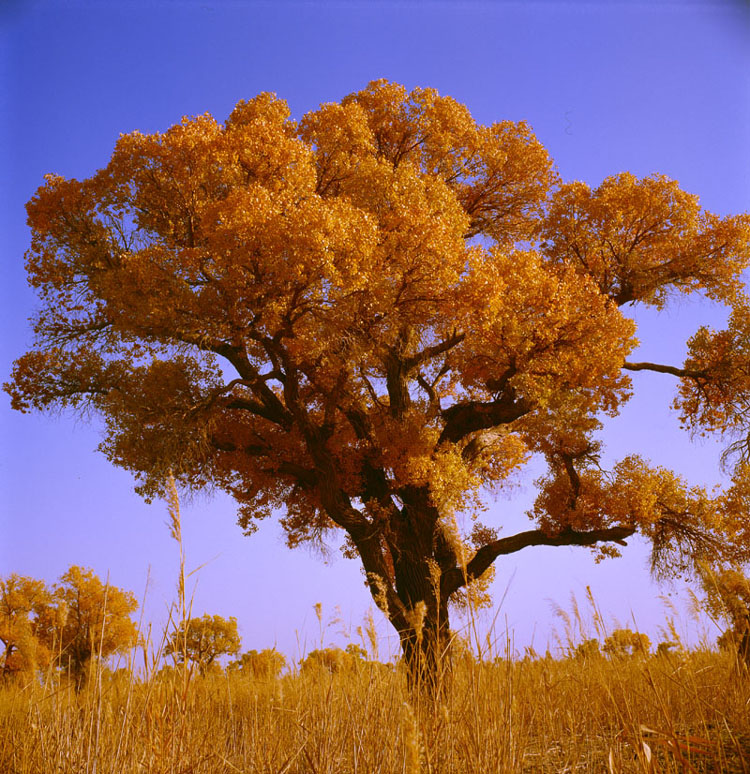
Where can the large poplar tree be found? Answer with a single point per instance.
(366, 320)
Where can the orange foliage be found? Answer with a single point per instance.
(88, 620)
(23, 601)
(203, 640)
(373, 316)
(78, 620)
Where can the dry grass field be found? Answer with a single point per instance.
(684, 712)
(620, 708)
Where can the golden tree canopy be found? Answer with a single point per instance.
(88, 619)
(79, 619)
(373, 316)
(23, 602)
(203, 640)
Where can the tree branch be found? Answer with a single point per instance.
(455, 579)
(275, 409)
(683, 373)
(430, 352)
(465, 418)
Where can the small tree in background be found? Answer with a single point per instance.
(625, 643)
(588, 650)
(87, 619)
(203, 640)
(78, 620)
(23, 602)
(333, 659)
(266, 664)
(356, 651)
(668, 648)
(727, 598)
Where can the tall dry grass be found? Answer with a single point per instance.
(673, 713)
(686, 712)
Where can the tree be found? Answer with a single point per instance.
(203, 640)
(624, 643)
(727, 598)
(266, 664)
(588, 650)
(333, 660)
(23, 603)
(88, 619)
(368, 320)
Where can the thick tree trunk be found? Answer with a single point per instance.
(424, 630)
(426, 650)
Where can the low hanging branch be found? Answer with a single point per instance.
(485, 556)
(683, 373)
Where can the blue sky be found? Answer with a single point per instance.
(611, 86)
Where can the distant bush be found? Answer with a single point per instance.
(265, 664)
(667, 648)
(333, 659)
(624, 643)
(588, 650)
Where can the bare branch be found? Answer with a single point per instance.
(430, 352)
(683, 373)
(455, 579)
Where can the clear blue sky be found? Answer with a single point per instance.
(645, 87)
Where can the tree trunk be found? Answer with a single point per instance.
(426, 649)
(743, 646)
(4, 665)
(425, 633)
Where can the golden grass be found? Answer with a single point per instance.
(682, 713)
